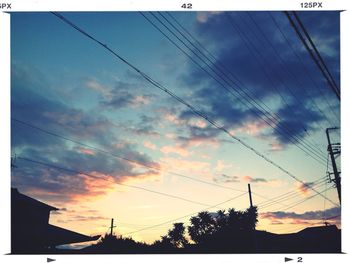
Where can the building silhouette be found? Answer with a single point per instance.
(319, 239)
(30, 228)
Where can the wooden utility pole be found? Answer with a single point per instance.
(112, 226)
(251, 206)
(250, 196)
(332, 154)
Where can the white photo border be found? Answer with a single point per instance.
(169, 5)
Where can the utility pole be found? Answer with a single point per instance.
(251, 211)
(250, 196)
(313, 52)
(112, 226)
(334, 150)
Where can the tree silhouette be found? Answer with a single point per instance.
(221, 219)
(229, 231)
(174, 239)
(177, 236)
(202, 227)
(222, 231)
(116, 244)
(252, 217)
(163, 244)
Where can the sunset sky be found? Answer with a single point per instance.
(76, 106)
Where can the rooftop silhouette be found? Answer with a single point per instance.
(30, 228)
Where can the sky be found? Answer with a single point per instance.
(92, 137)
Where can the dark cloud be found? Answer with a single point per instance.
(198, 133)
(48, 113)
(255, 180)
(43, 180)
(146, 126)
(276, 222)
(119, 99)
(223, 178)
(326, 35)
(278, 81)
(290, 124)
(258, 180)
(125, 94)
(304, 188)
(82, 218)
(309, 215)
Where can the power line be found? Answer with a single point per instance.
(194, 110)
(105, 177)
(312, 224)
(291, 196)
(251, 47)
(288, 193)
(219, 66)
(137, 187)
(182, 217)
(121, 157)
(317, 53)
(284, 65)
(306, 69)
(306, 199)
(280, 128)
(302, 201)
(324, 203)
(333, 217)
(130, 160)
(314, 58)
(284, 197)
(218, 62)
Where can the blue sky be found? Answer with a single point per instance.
(65, 83)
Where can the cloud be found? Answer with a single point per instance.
(309, 215)
(262, 181)
(202, 17)
(93, 84)
(276, 146)
(90, 128)
(291, 117)
(125, 94)
(304, 188)
(191, 131)
(206, 137)
(30, 106)
(173, 118)
(326, 37)
(276, 222)
(85, 151)
(149, 145)
(253, 128)
(254, 180)
(223, 178)
(144, 126)
(81, 218)
(78, 215)
(177, 149)
(272, 86)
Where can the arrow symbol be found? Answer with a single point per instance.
(287, 259)
(50, 260)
